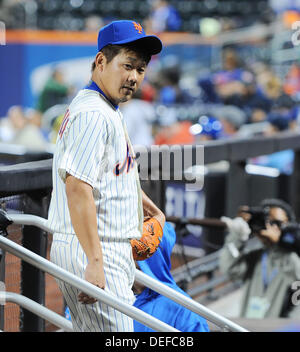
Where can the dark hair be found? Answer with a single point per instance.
(111, 50)
(278, 203)
(278, 121)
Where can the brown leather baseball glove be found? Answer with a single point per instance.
(147, 245)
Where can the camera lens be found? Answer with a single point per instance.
(278, 223)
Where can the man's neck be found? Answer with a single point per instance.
(102, 88)
(98, 82)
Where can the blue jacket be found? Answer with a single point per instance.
(158, 267)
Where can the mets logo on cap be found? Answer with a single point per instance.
(138, 27)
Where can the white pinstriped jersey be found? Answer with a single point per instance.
(91, 145)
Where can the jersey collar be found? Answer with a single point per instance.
(93, 86)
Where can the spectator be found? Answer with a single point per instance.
(251, 100)
(12, 124)
(54, 92)
(272, 86)
(228, 82)
(274, 90)
(256, 250)
(278, 123)
(170, 91)
(158, 267)
(231, 118)
(208, 90)
(34, 117)
(284, 106)
(236, 85)
(23, 128)
(164, 17)
(291, 84)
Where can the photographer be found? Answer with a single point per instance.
(262, 248)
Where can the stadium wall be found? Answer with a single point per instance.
(29, 57)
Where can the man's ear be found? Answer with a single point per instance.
(100, 61)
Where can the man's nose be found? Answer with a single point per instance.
(133, 76)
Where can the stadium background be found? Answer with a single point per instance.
(46, 35)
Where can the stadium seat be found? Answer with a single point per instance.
(191, 11)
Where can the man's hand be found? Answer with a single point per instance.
(238, 226)
(272, 233)
(84, 220)
(94, 274)
(152, 211)
(243, 212)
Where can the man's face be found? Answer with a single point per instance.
(122, 76)
(276, 218)
(277, 215)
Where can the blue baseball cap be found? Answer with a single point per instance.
(122, 32)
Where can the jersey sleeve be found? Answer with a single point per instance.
(84, 150)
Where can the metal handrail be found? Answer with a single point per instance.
(37, 309)
(144, 279)
(27, 219)
(208, 285)
(193, 266)
(83, 285)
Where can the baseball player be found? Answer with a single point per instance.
(97, 205)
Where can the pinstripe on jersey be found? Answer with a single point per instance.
(91, 146)
(119, 272)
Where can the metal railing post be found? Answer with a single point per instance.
(2, 279)
(4, 222)
(35, 239)
(236, 184)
